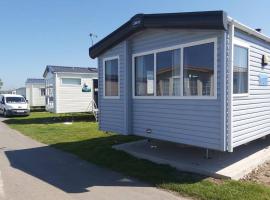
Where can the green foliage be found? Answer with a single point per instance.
(1, 83)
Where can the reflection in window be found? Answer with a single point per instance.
(199, 70)
(240, 70)
(144, 75)
(111, 77)
(168, 73)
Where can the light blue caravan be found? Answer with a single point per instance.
(197, 78)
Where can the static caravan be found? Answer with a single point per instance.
(198, 78)
(21, 91)
(8, 92)
(70, 89)
(34, 92)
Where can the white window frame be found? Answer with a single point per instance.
(243, 44)
(104, 88)
(181, 47)
(67, 85)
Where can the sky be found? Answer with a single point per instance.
(36, 33)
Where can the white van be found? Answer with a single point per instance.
(11, 104)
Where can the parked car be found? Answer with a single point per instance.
(11, 104)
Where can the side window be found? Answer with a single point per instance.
(42, 92)
(71, 81)
(240, 70)
(111, 86)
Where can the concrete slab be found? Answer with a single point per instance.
(186, 158)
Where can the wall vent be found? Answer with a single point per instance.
(148, 131)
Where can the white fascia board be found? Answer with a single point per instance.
(249, 30)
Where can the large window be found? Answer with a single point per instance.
(240, 70)
(144, 75)
(181, 71)
(71, 81)
(168, 73)
(111, 77)
(199, 70)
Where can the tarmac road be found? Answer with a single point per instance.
(33, 171)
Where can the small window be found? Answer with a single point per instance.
(144, 75)
(42, 91)
(71, 81)
(240, 70)
(199, 70)
(168, 73)
(111, 77)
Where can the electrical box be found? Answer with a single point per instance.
(265, 60)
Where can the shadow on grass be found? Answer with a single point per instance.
(50, 119)
(73, 175)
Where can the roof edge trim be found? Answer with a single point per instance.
(217, 20)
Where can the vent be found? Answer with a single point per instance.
(258, 30)
(148, 131)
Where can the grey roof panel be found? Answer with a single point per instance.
(65, 69)
(35, 80)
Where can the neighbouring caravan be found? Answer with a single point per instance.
(34, 92)
(199, 78)
(21, 91)
(70, 89)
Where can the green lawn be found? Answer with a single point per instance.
(83, 138)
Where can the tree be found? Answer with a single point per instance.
(1, 83)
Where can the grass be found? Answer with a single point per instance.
(83, 138)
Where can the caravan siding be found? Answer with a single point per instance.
(195, 121)
(70, 98)
(251, 112)
(111, 117)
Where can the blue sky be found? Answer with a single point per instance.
(35, 33)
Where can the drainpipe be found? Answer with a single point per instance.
(230, 88)
(55, 100)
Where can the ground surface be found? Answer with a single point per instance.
(83, 139)
(30, 170)
(261, 175)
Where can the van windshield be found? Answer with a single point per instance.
(15, 100)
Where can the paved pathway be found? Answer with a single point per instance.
(33, 171)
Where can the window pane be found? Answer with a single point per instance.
(144, 75)
(42, 91)
(168, 73)
(240, 70)
(199, 70)
(111, 77)
(71, 81)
